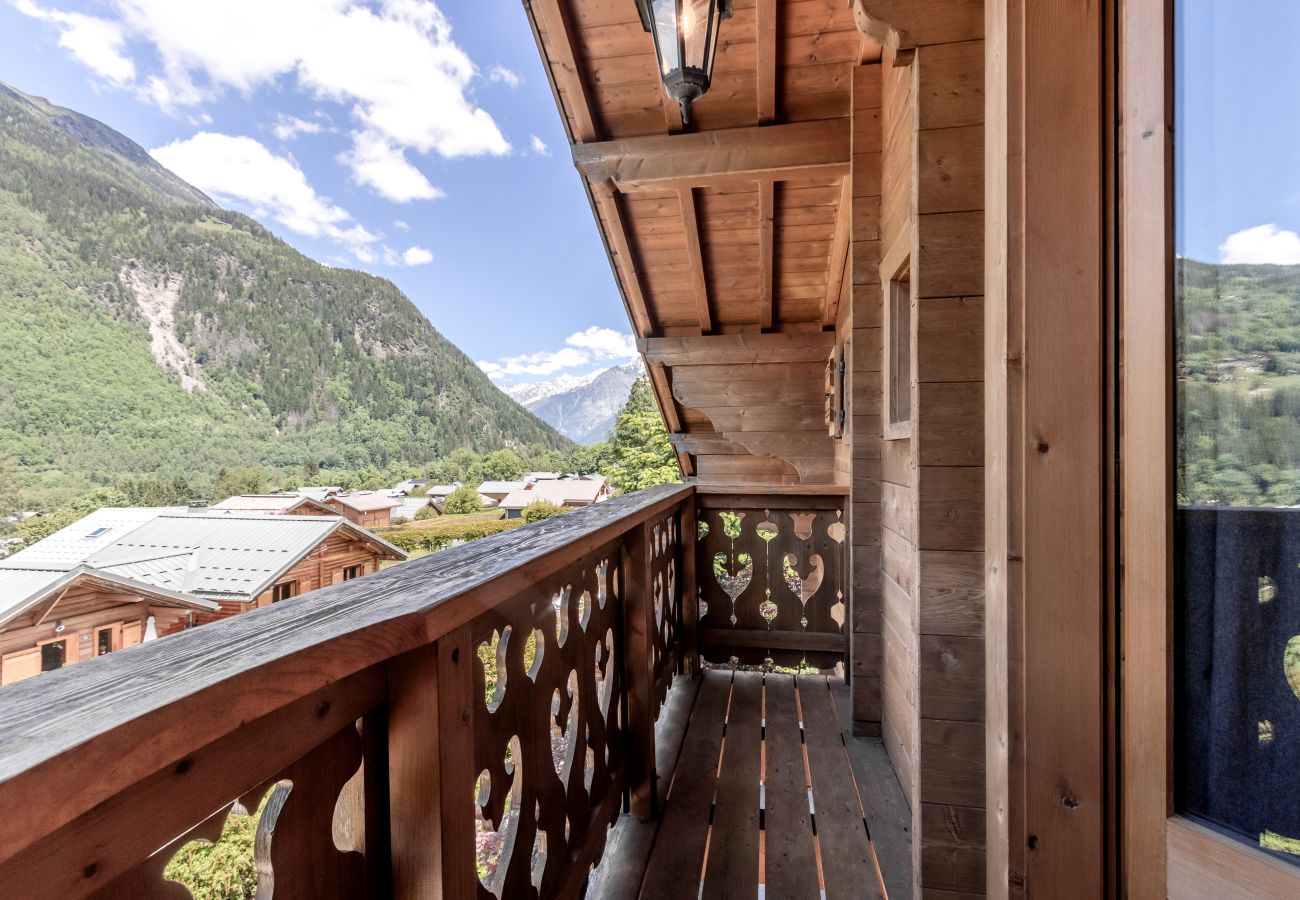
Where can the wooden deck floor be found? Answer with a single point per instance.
(768, 796)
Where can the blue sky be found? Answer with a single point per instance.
(1238, 140)
(417, 140)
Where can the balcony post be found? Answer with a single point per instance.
(638, 630)
(431, 771)
(688, 585)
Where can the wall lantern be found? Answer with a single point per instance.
(686, 43)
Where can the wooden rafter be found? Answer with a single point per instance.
(901, 26)
(730, 349)
(766, 262)
(48, 606)
(666, 162)
(555, 18)
(839, 255)
(695, 256)
(664, 394)
(766, 26)
(620, 252)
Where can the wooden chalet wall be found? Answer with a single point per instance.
(926, 106)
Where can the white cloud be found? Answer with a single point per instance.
(242, 171)
(417, 256)
(594, 344)
(603, 343)
(501, 75)
(538, 145)
(400, 225)
(392, 63)
(383, 166)
(98, 43)
(286, 128)
(1261, 244)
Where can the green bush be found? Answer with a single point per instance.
(463, 500)
(540, 509)
(225, 870)
(439, 537)
(424, 513)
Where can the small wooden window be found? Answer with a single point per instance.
(835, 392)
(898, 356)
(54, 655)
(283, 591)
(351, 572)
(108, 638)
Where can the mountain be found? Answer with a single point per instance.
(582, 408)
(146, 331)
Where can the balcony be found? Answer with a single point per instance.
(644, 698)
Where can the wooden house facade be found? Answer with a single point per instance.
(366, 509)
(905, 285)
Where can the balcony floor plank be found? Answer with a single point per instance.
(849, 782)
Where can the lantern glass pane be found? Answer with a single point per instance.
(696, 28)
(665, 17)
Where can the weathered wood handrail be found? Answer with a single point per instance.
(530, 667)
(100, 765)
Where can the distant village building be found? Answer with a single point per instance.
(369, 509)
(121, 576)
(570, 493)
(320, 494)
(273, 504)
(493, 492)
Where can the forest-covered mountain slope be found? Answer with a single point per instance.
(144, 331)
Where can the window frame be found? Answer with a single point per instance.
(292, 587)
(359, 568)
(897, 379)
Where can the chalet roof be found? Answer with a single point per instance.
(267, 503)
(20, 589)
(320, 492)
(367, 501)
(224, 556)
(729, 235)
(74, 544)
(442, 490)
(501, 487)
(557, 492)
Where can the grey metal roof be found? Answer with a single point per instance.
(368, 501)
(73, 545)
(223, 556)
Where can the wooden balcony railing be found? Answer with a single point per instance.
(525, 669)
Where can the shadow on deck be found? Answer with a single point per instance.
(768, 795)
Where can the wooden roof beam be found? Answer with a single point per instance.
(839, 256)
(700, 159)
(732, 349)
(620, 251)
(900, 26)
(695, 255)
(555, 18)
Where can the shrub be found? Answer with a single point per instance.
(441, 536)
(463, 500)
(540, 509)
(400, 520)
(226, 870)
(424, 513)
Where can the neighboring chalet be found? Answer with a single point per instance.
(493, 492)
(273, 504)
(369, 509)
(120, 576)
(569, 493)
(320, 494)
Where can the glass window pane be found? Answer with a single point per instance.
(53, 655)
(1237, 441)
(666, 34)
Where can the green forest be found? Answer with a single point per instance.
(296, 364)
(1238, 384)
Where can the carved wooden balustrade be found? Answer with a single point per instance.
(468, 725)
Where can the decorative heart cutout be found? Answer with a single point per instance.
(767, 531)
(836, 532)
(731, 523)
(733, 583)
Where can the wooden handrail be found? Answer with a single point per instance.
(83, 736)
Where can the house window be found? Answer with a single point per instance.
(898, 356)
(54, 655)
(283, 591)
(1237, 423)
(351, 572)
(104, 640)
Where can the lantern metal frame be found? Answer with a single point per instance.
(686, 83)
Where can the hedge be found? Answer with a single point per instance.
(435, 538)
